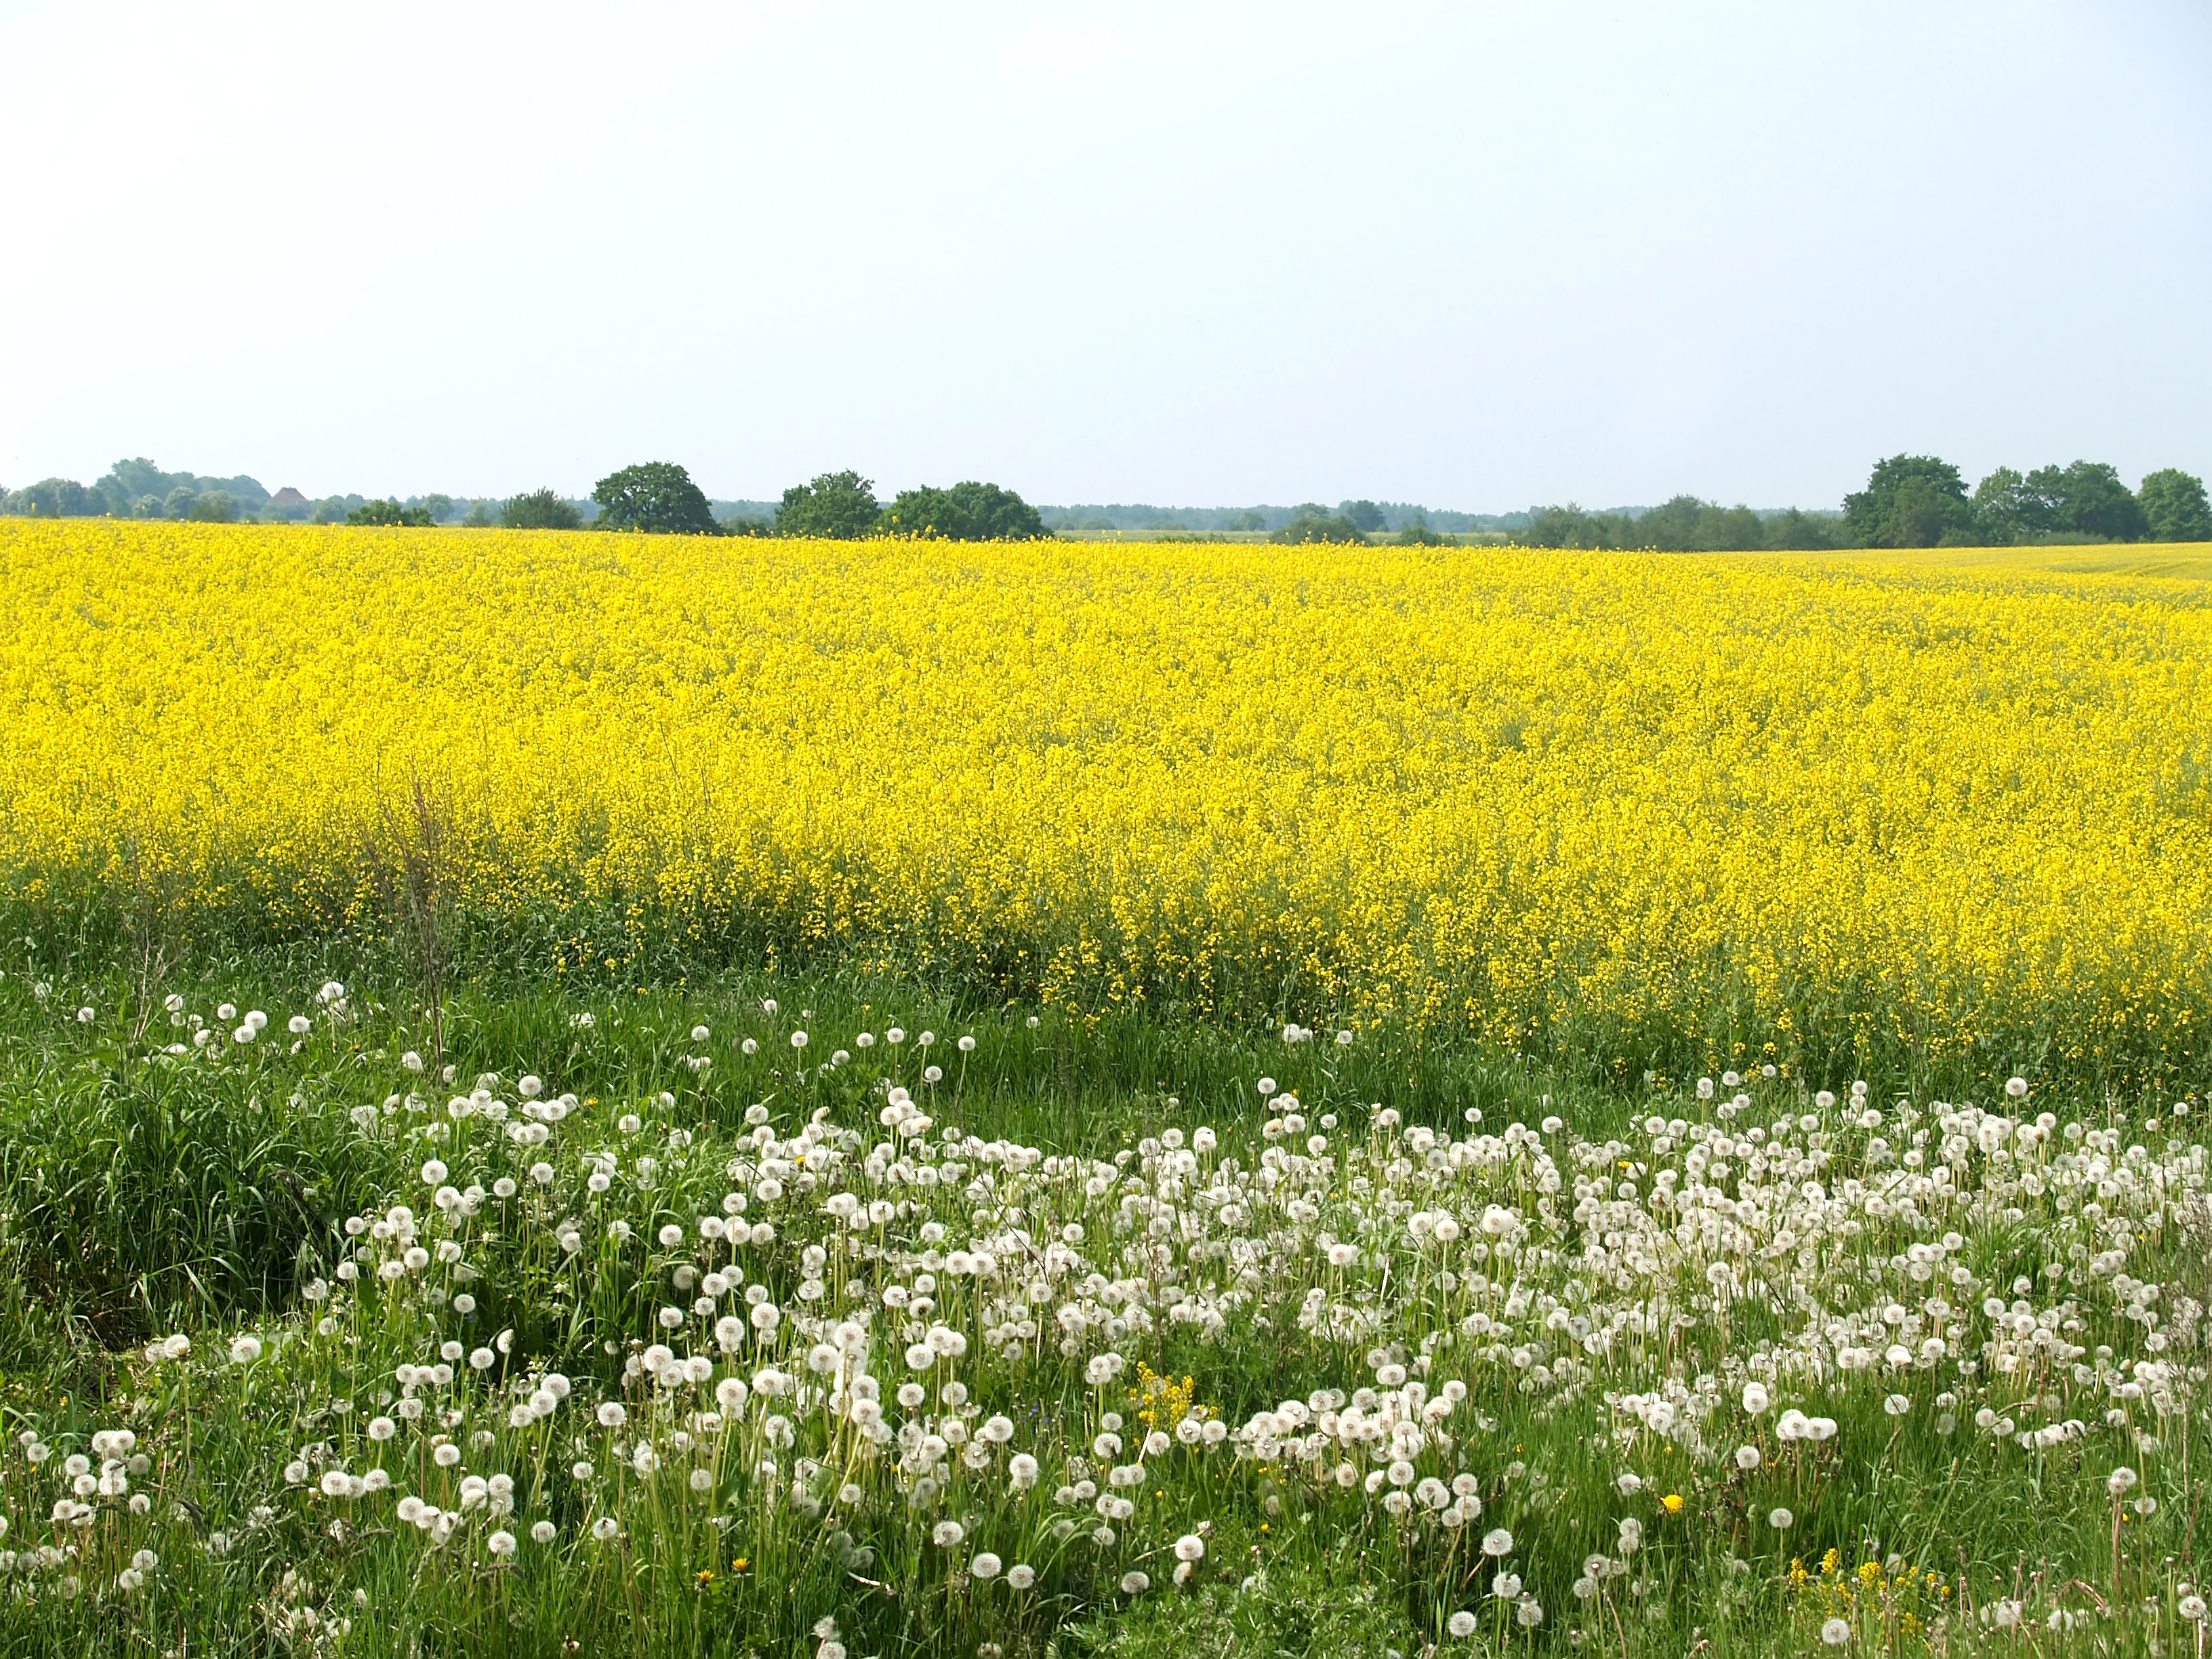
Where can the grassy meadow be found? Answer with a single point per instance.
(569, 1093)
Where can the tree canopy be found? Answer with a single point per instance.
(1415, 533)
(840, 506)
(1311, 524)
(2174, 506)
(1910, 501)
(54, 498)
(654, 497)
(538, 510)
(390, 512)
(2087, 498)
(970, 512)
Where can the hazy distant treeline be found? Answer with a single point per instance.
(1913, 501)
(1910, 500)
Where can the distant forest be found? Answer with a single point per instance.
(1910, 500)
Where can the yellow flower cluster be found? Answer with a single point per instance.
(1898, 1601)
(1671, 808)
(1162, 1402)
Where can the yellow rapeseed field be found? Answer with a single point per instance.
(1670, 807)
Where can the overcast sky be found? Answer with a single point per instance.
(1474, 255)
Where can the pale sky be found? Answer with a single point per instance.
(1474, 255)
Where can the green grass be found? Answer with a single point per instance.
(141, 1196)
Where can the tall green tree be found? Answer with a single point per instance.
(1795, 530)
(1687, 525)
(1310, 524)
(968, 512)
(56, 498)
(389, 514)
(2089, 499)
(536, 510)
(1366, 517)
(1570, 526)
(2174, 506)
(840, 506)
(655, 497)
(2008, 510)
(1910, 500)
(1415, 533)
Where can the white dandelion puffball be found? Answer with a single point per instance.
(1190, 1548)
(1835, 1633)
(1021, 1575)
(246, 1350)
(1746, 1458)
(799, 1039)
(1462, 1624)
(985, 1566)
(1755, 1398)
(947, 1533)
(1497, 1542)
(1135, 1584)
(1780, 1520)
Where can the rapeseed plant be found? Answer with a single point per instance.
(1634, 812)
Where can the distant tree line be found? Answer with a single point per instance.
(1912, 501)
(138, 489)
(660, 496)
(1370, 517)
(655, 497)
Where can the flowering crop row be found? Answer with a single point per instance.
(1653, 808)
